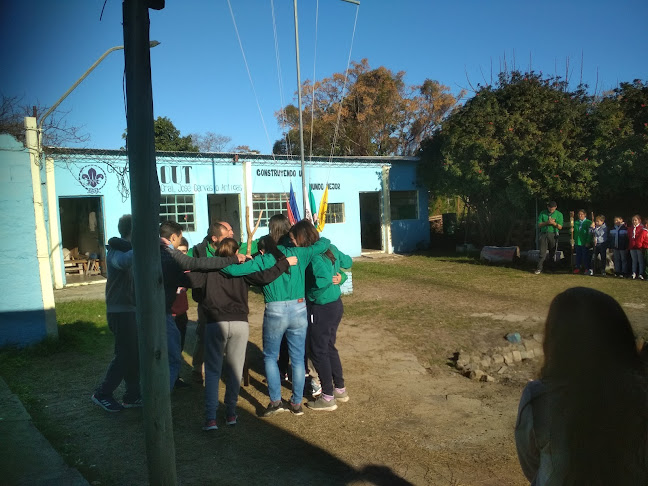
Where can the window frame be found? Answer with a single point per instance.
(329, 212)
(278, 201)
(179, 217)
(394, 208)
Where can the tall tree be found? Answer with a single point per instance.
(377, 113)
(168, 138)
(522, 139)
(619, 142)
(56, 131)
(210, 141)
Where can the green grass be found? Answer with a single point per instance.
(82, 332)
(428, 302)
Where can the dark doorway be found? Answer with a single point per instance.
(370, 224)
(82, 226)
(226, 207)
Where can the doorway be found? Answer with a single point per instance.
(370, 221)
(82, 226)
(226, 207)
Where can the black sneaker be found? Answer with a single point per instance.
(296, 409)
(108, 403)
(274, 408)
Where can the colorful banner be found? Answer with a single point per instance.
(313, 206)
(321, 216)
(293, 209)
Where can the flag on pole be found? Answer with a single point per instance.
(313, 206)
(321, 216)
(293, 209)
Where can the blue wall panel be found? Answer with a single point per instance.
(22, 318)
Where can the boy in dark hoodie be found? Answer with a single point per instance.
(618, 239)
(120, 313)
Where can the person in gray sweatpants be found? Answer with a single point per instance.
(225, 304)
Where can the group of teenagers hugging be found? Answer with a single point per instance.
(300, 275)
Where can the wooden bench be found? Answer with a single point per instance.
(75, 266)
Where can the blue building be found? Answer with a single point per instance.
(27, 312)
(375, 204)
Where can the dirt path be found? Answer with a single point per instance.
(411, 419)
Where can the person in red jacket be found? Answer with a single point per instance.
(637, 241)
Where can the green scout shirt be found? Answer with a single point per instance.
(289, 286)
(320, 288)
(544, 217)
(209, 250)
(582, 235)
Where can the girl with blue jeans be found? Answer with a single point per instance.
(285, 313)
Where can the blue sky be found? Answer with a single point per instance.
(201, 84)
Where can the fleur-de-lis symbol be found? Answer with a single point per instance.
(92, 178)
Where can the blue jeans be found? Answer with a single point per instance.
(583, 256)
(637, 262)
(620, 262)
(289, 318)
(173, 346)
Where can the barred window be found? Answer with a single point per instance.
(179, 208)
(335, 213)
(271, 203)
(404, 205)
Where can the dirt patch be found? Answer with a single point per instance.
(412, 418)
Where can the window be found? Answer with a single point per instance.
(404, 205)
(271, 203)
(179, 208)
(335, 213)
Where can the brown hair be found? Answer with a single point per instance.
(305, 234)
(597, 388)
(278, 226)
(227, 247)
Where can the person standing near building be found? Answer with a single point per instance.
(285, 313)
(226, 332)
(120, 313)
(550, 222)
(325, 312)
(206, 249)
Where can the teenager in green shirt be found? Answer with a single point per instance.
(582, 242)
(550, 222)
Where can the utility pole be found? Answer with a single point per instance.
(301, 122)
(147, 270)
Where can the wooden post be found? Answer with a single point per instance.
(571, 231)
(250, 232)
(147, 271)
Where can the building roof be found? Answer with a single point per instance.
(229, 157)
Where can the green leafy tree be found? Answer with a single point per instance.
(510, 144)
(377, 114)
(168, 138)
(619, 143)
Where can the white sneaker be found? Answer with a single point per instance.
(590, 272)
(634, 276)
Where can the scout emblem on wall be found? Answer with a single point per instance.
(92, 178)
